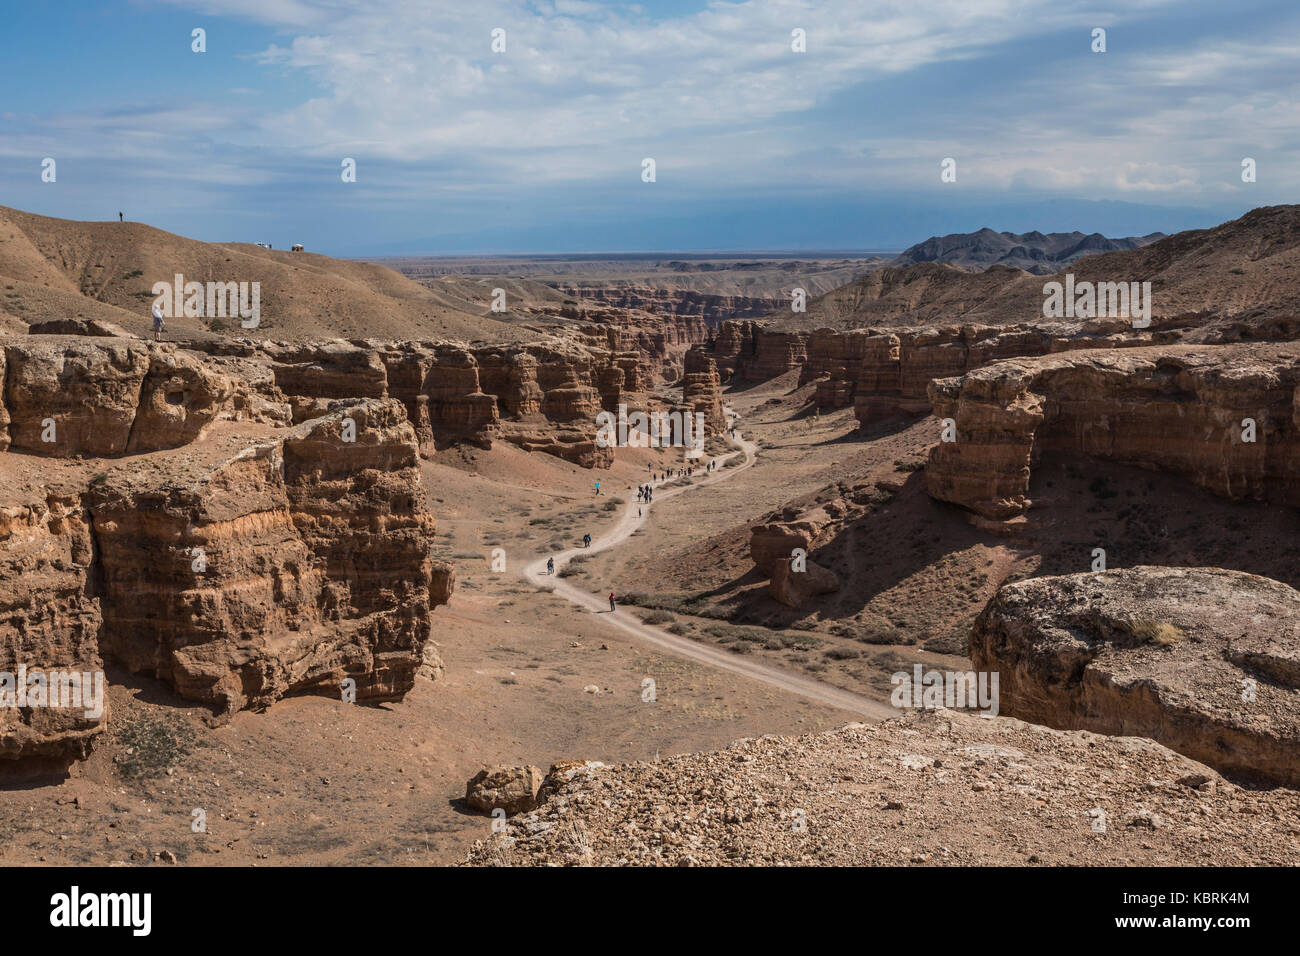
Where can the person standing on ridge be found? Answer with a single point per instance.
(158, 326)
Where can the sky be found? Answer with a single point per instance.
(541, 147)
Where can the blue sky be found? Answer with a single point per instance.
(540, 148)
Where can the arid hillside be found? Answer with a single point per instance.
(52, 269)
(1239, 267)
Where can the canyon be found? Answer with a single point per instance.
(262, 528)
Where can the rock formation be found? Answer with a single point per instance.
(702, 389)
(1202, 660)
(512, 789)
(284, 569)
(774, 353)
(49, 620)
(104, 397)
(1185, 410)
(238, 569)
(931, 787)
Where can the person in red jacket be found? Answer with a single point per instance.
(611, 600)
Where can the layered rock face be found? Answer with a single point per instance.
(1202, 660)
(49, 619)
(457, 406)
(772, 545)
(828, 350)
(285, 569)
(1185, 410)
(733, 343)
(236, 573)
(105, 397)
(511, 375)
(774, 353)
(898, 364)
(329, 370)
(702, 389)
(834, 389)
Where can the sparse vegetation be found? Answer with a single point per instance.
(658, 617)
(1162, 633)
(152, 744)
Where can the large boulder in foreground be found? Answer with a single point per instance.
(512, 789)
(1205, 661)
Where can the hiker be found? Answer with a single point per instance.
(611, 601)
(586, 540)
(598, 487)
(119, 217)
(158, 326)
(550, 565)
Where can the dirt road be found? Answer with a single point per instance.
(629, 521)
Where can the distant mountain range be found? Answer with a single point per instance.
(1036, 252)
(1246, 266)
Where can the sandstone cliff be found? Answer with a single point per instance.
(105, 397)
(702, 389)
(241, 561)
(1178, 409)
(287, 568)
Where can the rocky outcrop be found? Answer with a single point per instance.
(329, 370)
(795, 584)
(1012, 793)
(458, 409)
(94, 327)
(49, 620)
(828, 350)
(733, 343)
(285, 569)
(774, 353)
(1184, 410)
(898, 364)
(794, 578)
(1202, 660)
(702, 389)
(511, 375)
(105, 397)
(834, 389)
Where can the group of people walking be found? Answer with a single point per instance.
(644, 494)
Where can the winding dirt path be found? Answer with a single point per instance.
(683, 646)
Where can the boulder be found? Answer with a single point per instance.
(1202, 660)
(512, 789)
(796, 588)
